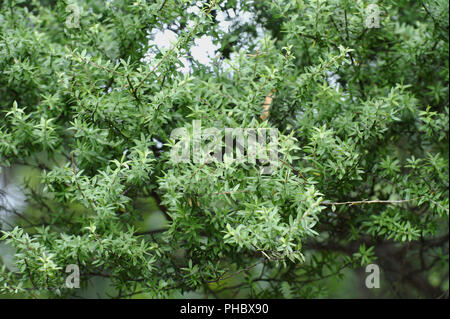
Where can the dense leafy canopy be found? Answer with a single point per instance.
(362, 120)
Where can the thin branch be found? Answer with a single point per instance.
(235, 273)
(294, 169)
(376, 201)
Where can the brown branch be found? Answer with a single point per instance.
(376, 201)
(235, 273)
(294, 169)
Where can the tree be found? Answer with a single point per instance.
(360, 167)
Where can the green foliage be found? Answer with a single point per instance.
(362, 118)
